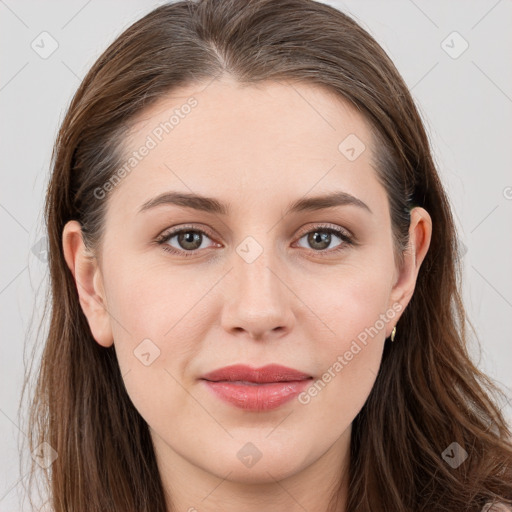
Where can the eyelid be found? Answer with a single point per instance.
(348, 239)
(167, 234)
(327, 225)
(199, 227)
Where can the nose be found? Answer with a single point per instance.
(258, 304)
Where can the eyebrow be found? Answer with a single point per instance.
(212, 205)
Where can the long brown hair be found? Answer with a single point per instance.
(428, 393)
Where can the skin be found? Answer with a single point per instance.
(289, 306)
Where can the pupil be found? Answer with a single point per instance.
(322, 238)
(189, 237)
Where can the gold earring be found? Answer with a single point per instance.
(393, 333)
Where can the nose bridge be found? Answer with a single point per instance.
(257, 262)
(258, 298)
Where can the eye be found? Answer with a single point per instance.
(321, 237)
(188, 239)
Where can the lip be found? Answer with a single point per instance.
(256, 389)
(265, 374)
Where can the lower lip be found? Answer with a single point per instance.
(259, 397)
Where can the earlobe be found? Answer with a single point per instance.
(420, 233)
(89, 283)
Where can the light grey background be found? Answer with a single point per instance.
(465, 101)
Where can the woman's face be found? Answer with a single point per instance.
(249, 282)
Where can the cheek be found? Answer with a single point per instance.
(353, 314)
(336, 396)
(155, 302)
(158, 321)
(349, 303)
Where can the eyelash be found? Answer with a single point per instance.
(166, 236)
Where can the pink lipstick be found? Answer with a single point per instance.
(256, 389)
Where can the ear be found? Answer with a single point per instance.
(86, 272)
(420, 233)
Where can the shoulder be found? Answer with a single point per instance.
(496, 507)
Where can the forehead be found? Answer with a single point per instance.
(266, 138)
(288, 111)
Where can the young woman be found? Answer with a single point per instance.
(254, 278)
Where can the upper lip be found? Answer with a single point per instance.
(268, 373)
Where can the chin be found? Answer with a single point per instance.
(259, 461)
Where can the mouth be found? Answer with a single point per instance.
(256, 389)
(247, 375)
